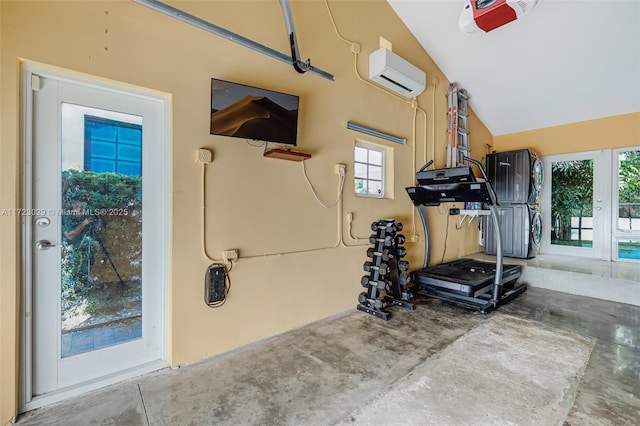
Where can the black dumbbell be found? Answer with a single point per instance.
(362, 297)
(374, 238)
(372, 253)
(404, 279)
(400, 239)
(403, 265)
(381, 284)
(401, 252)
(377, 225)
(365, 281)
(383, 268)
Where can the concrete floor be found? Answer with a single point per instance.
(322, 373)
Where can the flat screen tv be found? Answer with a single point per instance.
(249, 112)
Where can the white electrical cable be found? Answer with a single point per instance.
(413, 102)
(417, 108)
(259, 145)
(434, 84)
(335, 28)
(340, 188)
(338, 243)
(413, 162)
(355, 55)
(203, 216)
(350, 234)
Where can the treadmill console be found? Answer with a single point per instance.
(450, 175)
(449, 185)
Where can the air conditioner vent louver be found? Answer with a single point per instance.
(391, 71)
(396, 83)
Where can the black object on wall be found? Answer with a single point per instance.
(216, 285)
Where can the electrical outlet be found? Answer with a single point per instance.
(355, 47)
(230, 255)
(340, 169)
(204, 156)
(350, 217)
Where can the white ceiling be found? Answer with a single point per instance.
(566, 61)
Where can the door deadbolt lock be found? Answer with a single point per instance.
(46, 244)
(43, 222)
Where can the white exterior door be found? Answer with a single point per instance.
(95, 234)
(576, 204)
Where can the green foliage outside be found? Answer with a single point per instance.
(572, 195)
(93, 237)
(629, 184)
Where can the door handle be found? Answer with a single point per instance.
(46, 244)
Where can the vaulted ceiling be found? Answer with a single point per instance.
(564, 62)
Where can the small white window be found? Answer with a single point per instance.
(369, 170)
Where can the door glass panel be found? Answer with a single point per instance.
(572, 203)
(101, 218)
(629, 249)
(628, 191)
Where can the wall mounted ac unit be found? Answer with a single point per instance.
(391, 71)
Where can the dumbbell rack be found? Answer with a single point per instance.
(386, 282)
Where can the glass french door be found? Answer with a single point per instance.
(626, 206)
(94, 234)
(591, 204)
(576, 203)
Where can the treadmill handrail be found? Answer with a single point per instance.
(478, 164)
(454, 192)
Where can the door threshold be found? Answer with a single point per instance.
(91, 385)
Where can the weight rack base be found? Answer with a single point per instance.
(379, 313)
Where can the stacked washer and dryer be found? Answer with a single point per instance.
(516, 177)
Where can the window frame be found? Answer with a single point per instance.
(88, 139)
(383, 152)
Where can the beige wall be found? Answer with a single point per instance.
(609, 132)
(257, 205)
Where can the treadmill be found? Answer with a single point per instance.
(473, 284)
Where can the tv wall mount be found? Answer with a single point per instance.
(293, 59)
